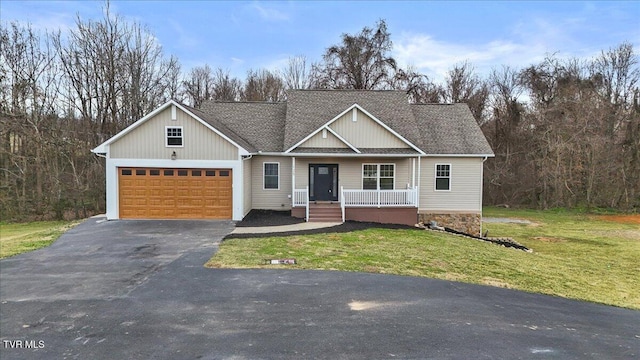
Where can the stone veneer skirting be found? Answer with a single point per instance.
(470, 223)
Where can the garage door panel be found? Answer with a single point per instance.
(149, 193)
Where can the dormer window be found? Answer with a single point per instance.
(174, 136)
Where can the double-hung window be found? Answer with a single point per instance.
(271, 173)
(443, 177)
(174, 136)
(378, 176)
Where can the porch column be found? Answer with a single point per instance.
(413, 173)
(293, 180)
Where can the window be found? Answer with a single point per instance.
(183, 172)
(443, 177)
(154, 172)
(168, 173)
(174, 136)
(141, 172)
(224, 173)
(271, 176)
(378, 176)
(210, 173)
(126, 171)
(196, 172)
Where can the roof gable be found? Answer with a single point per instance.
(310, 110)
(102, 148)
(388, 139)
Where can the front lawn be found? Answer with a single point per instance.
(575, 255)
(16, 238)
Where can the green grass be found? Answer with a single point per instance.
(17, 238)
(575, 255)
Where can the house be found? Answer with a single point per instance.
(323, 154)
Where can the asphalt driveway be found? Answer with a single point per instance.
(137, 290)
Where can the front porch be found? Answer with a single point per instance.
(383, 206)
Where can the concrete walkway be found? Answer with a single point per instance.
(284, 228)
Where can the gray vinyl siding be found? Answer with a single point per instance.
(465, 184)
(147, 141)
(365, 132)
(350, 171)
(270, 199)
(246, 184)
(317, 141)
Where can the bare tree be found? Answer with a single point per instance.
(225, 87)
(296, 73)
(263, 85)
(198, 86)
(463, 85)
(361, 61)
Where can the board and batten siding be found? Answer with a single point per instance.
(365, 132)
(147, 141)
(466, 185)
(246, 184)
(318, 141)
(350, 171)
(270, 199)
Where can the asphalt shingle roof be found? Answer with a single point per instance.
(450, 129)
(275, 127)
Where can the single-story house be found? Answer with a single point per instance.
(325, 155)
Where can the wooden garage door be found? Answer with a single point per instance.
(152, 193)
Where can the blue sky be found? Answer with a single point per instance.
(430, 35)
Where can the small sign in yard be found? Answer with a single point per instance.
(282, 261)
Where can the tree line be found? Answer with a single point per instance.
(566, 132)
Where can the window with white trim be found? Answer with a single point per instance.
(174, 136)
(443, 177)
(271, 176)
(378, 176)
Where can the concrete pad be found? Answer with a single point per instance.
(284, 228)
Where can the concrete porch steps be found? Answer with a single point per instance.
(325, 212)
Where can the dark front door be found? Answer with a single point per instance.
(323, 182)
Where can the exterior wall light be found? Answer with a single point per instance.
(173, 155)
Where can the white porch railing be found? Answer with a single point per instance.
(301, 198)
(363, 198)
(380, 198)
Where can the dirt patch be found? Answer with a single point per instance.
(621, 219)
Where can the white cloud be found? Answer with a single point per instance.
(434, 57)
(269, 13)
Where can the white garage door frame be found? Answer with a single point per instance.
(112, 165)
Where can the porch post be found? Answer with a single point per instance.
(413, 173)
(293, 181)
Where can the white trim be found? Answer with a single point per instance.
(377, 175)
(263, 174)
(459, 155)
(102, 148)
(112, 165)
(324, 133)
(351, 108)
(354, 115)
(343, 140)
(435, 176)
(166, 136)
(174, 113)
